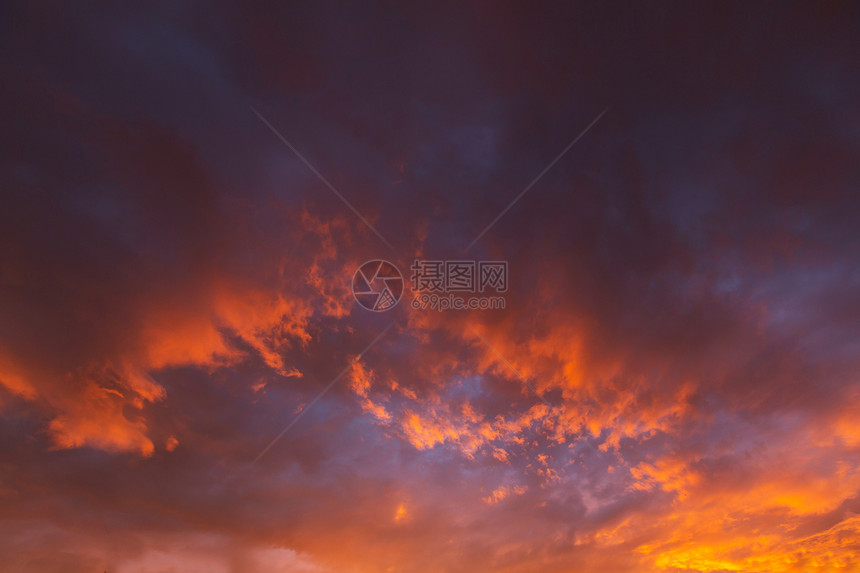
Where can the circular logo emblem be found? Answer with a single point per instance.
(377, 285)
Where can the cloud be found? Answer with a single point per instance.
(671, 386)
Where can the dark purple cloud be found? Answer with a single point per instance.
(174, 288)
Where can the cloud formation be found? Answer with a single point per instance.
(670, 387)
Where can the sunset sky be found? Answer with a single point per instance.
(189, 385)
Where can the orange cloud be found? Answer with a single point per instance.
(97, 419)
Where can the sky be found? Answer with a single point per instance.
(189, 384)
